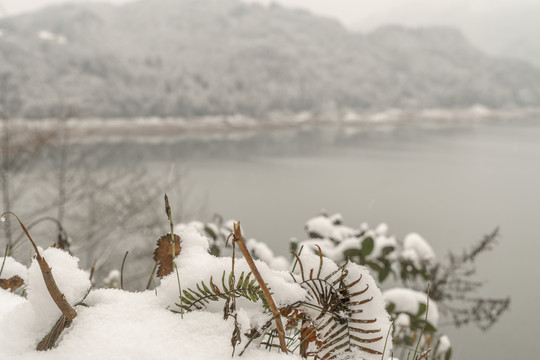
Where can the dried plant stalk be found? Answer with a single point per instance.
(237, 236)
(57, 296)
(68, 313)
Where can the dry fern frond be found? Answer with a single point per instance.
(338, 315)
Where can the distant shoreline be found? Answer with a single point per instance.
(81, 130)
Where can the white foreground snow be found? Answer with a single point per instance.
(117, 324)
(120, 325)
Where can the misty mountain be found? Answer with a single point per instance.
(511, 30)
(208, 57)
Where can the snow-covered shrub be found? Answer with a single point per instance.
(410, 261)
(328, 300)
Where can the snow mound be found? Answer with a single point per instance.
(120, 325)
(116, 324)
(72, 282)
(195, 264)
(409, 301)
(417, 250)
(13, 268)
(29, 320)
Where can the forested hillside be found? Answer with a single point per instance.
(209, 57)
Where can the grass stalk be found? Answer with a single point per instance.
(122, 271)
(151, 278)
(386, 340)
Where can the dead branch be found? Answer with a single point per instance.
(237, 237)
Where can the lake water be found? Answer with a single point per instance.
(451, 183)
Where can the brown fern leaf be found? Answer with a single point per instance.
(12, 283)
(163, 254)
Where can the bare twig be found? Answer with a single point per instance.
(277, 315)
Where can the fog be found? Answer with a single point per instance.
(501, 27)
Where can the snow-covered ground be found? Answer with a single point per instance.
(117, 324)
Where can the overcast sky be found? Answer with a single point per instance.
(364, 14)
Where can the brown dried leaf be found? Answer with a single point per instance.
(12, 283)
(163, 254)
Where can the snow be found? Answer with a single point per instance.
(329, 249)
(381, 229)
(117, 324)
(408, 301)
(417, 249)
(195, 264)
(72, 282)
(32, 318)
(8, 301)
(382, 242)
(121, 325)
(444, 345)
(346, 238)
(113, 279)
(13, 268)
(261, 251)
(49, 36)
(46, 35)
(402, 320)
(329, 227)
(336, 252)
(320, 225)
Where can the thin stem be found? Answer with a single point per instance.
(386, 340)
(5, 257)
(122, 271)
(154, 282)
(425, 321)
(151, 278)
(93, 269)
(296, 260)
(169, 215)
